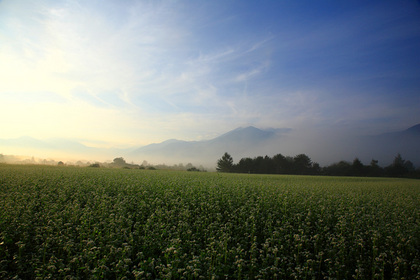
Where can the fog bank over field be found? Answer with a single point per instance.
(322, 145)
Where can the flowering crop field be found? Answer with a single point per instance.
(97, 223)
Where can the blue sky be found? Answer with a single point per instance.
(123, 73)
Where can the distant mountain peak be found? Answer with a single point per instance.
(249, 133)
(248, 128)
(172, 141)
(251, 127)
(414, 129)
(244, 128)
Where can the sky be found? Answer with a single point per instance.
(130, 73)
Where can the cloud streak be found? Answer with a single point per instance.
(141, 72)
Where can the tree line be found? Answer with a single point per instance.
(302, 165)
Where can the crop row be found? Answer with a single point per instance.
(86, 223)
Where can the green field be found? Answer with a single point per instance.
(98, 223)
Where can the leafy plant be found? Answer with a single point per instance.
(90, 223)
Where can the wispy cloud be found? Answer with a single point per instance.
(252, 72)
(158, 70)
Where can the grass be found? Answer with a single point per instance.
(97, 223)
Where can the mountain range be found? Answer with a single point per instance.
(384, 146)
(241, 142)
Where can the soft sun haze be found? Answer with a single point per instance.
(131, 73)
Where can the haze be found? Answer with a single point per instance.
(130, 73)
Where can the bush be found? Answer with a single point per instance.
(193, 169)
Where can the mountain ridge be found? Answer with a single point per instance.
(240, 142)
(236, 141)
(415, 129)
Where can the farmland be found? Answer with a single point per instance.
(99, 223)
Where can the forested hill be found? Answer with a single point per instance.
(302, 165)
